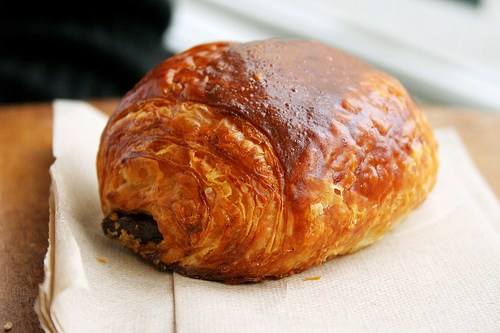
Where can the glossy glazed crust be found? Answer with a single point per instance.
(260, 160)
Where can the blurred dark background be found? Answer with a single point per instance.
(443, 51)
(84, 49)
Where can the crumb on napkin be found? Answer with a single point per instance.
(313, 278)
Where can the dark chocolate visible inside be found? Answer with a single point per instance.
(141, 226)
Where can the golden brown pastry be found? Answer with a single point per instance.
(244, 162)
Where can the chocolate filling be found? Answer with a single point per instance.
(141, 226)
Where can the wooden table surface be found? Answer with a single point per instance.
(25, 158)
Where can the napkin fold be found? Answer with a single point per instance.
(88, 285)
(439, 270)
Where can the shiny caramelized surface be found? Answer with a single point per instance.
(260, 160)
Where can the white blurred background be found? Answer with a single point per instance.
(443, 51)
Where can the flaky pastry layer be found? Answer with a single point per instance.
(256, 161)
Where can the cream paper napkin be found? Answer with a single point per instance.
(438, 271)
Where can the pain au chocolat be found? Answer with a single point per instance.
(249, 161)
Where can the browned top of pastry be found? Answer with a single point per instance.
(303, 94)
(286, 88)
